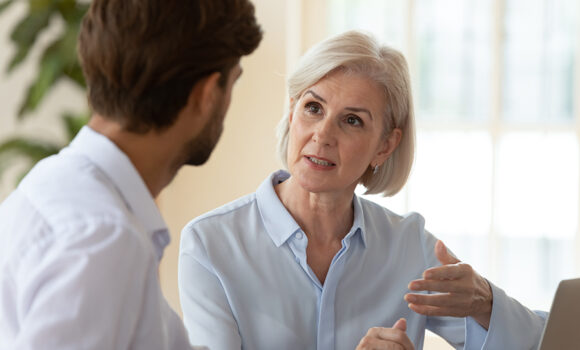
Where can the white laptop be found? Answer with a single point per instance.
(562, 331)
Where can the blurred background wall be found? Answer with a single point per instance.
(245, 154)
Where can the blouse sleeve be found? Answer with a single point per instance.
(512, 325)
(207, 313)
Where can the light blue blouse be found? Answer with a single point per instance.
(245, 284)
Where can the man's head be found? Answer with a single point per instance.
(215, 101)
(142, 58)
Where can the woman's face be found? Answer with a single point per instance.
(336, 133)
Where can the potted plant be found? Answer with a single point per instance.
(58, 61)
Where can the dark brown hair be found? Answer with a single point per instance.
(141, 58)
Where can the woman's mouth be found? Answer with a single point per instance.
(319, 161)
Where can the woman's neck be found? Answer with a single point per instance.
(324, 217)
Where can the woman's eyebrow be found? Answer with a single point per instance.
(358, 110)
(351, 109)
(315, 95)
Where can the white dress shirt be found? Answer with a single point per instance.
(80, 244)
(245, 283)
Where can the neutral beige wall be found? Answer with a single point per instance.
(245, 154)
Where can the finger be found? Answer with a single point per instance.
(443, 254)
(373, 343)
(445, 286)
(377, 344)
(401, 324)
(440, 300)
(447, 272)
(390, 335)
(397, 335)
(436, 311)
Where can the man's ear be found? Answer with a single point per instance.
(204, 93)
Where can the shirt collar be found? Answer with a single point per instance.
(126, 179)
(280, 224)
(358, 224)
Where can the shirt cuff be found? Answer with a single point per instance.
(512, 326)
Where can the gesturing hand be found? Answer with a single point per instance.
(462, 291)
(379, 338)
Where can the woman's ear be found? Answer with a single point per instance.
(291, 110)
(388, 146)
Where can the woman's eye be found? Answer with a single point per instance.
(353, 120)
(313, 108)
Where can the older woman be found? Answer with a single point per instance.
(304, 263)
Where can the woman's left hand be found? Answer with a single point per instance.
(461, 290)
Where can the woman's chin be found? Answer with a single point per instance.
(313, 184)
(319, 185)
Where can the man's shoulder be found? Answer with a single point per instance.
(65, 187)
(65, 203)
(65, 199)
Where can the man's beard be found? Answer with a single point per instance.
(199, 149)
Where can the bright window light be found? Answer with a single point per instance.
(497, 171)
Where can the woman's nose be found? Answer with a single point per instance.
(324, 132)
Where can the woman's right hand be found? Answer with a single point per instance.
(379, 338)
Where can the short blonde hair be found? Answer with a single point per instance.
(359, 53)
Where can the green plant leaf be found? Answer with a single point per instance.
(26, 33)
(24, 173)
(67, 50)
(59, 60)
(75, 74)
(27, 147)
(4, 5)
(72, 11)
(21, 148)
(50, 70)
(42, 5)
(73, 123)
